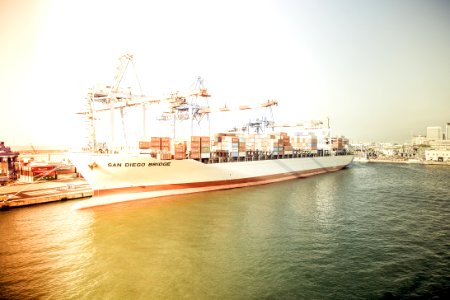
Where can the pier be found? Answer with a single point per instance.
(23, 194)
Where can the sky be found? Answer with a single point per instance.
(380, 70)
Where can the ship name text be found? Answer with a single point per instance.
(139, 165)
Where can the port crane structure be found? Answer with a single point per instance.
(113, 97)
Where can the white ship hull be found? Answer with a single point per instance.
(124, 177)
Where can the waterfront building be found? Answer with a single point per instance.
(8, 160)
(440, 145)
(437, 155)
(434, 133)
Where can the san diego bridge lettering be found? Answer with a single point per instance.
(139, 165)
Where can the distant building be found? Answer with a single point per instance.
(447, 131)
(419, 140)
(437, 155)
(434, 133)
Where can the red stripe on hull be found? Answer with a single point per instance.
(194, 187)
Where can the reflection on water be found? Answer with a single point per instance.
(371, 231)
(40, 245)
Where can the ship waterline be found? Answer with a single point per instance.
(119, 177)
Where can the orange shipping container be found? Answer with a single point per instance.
(179, 155)
(144, 145)
(195, 144)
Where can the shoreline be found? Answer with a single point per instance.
(22, 194)
(398, 161)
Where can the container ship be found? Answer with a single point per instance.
(161, 165)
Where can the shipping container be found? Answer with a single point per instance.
(195, 155)
(179, 155)
(205, 150)
(144, 144)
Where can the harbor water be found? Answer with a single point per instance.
(372, 231)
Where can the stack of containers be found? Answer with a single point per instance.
(165, 144)
(161, 146)
(242, 148)
(287, 147)
(338, 143)
(262, 143)
(195, 147)
(155, 144)
(313, 143)
(218, 145)
(230, 143)
(144, 144)
(165, 148)
(250, 143)
(234, 147)
(205, 147)
(180, 150)
(305, 141)
(275, 143)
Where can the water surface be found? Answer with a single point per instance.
(372, 231)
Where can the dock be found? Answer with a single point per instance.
(24, 194)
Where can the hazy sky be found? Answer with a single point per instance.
(379, 69)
